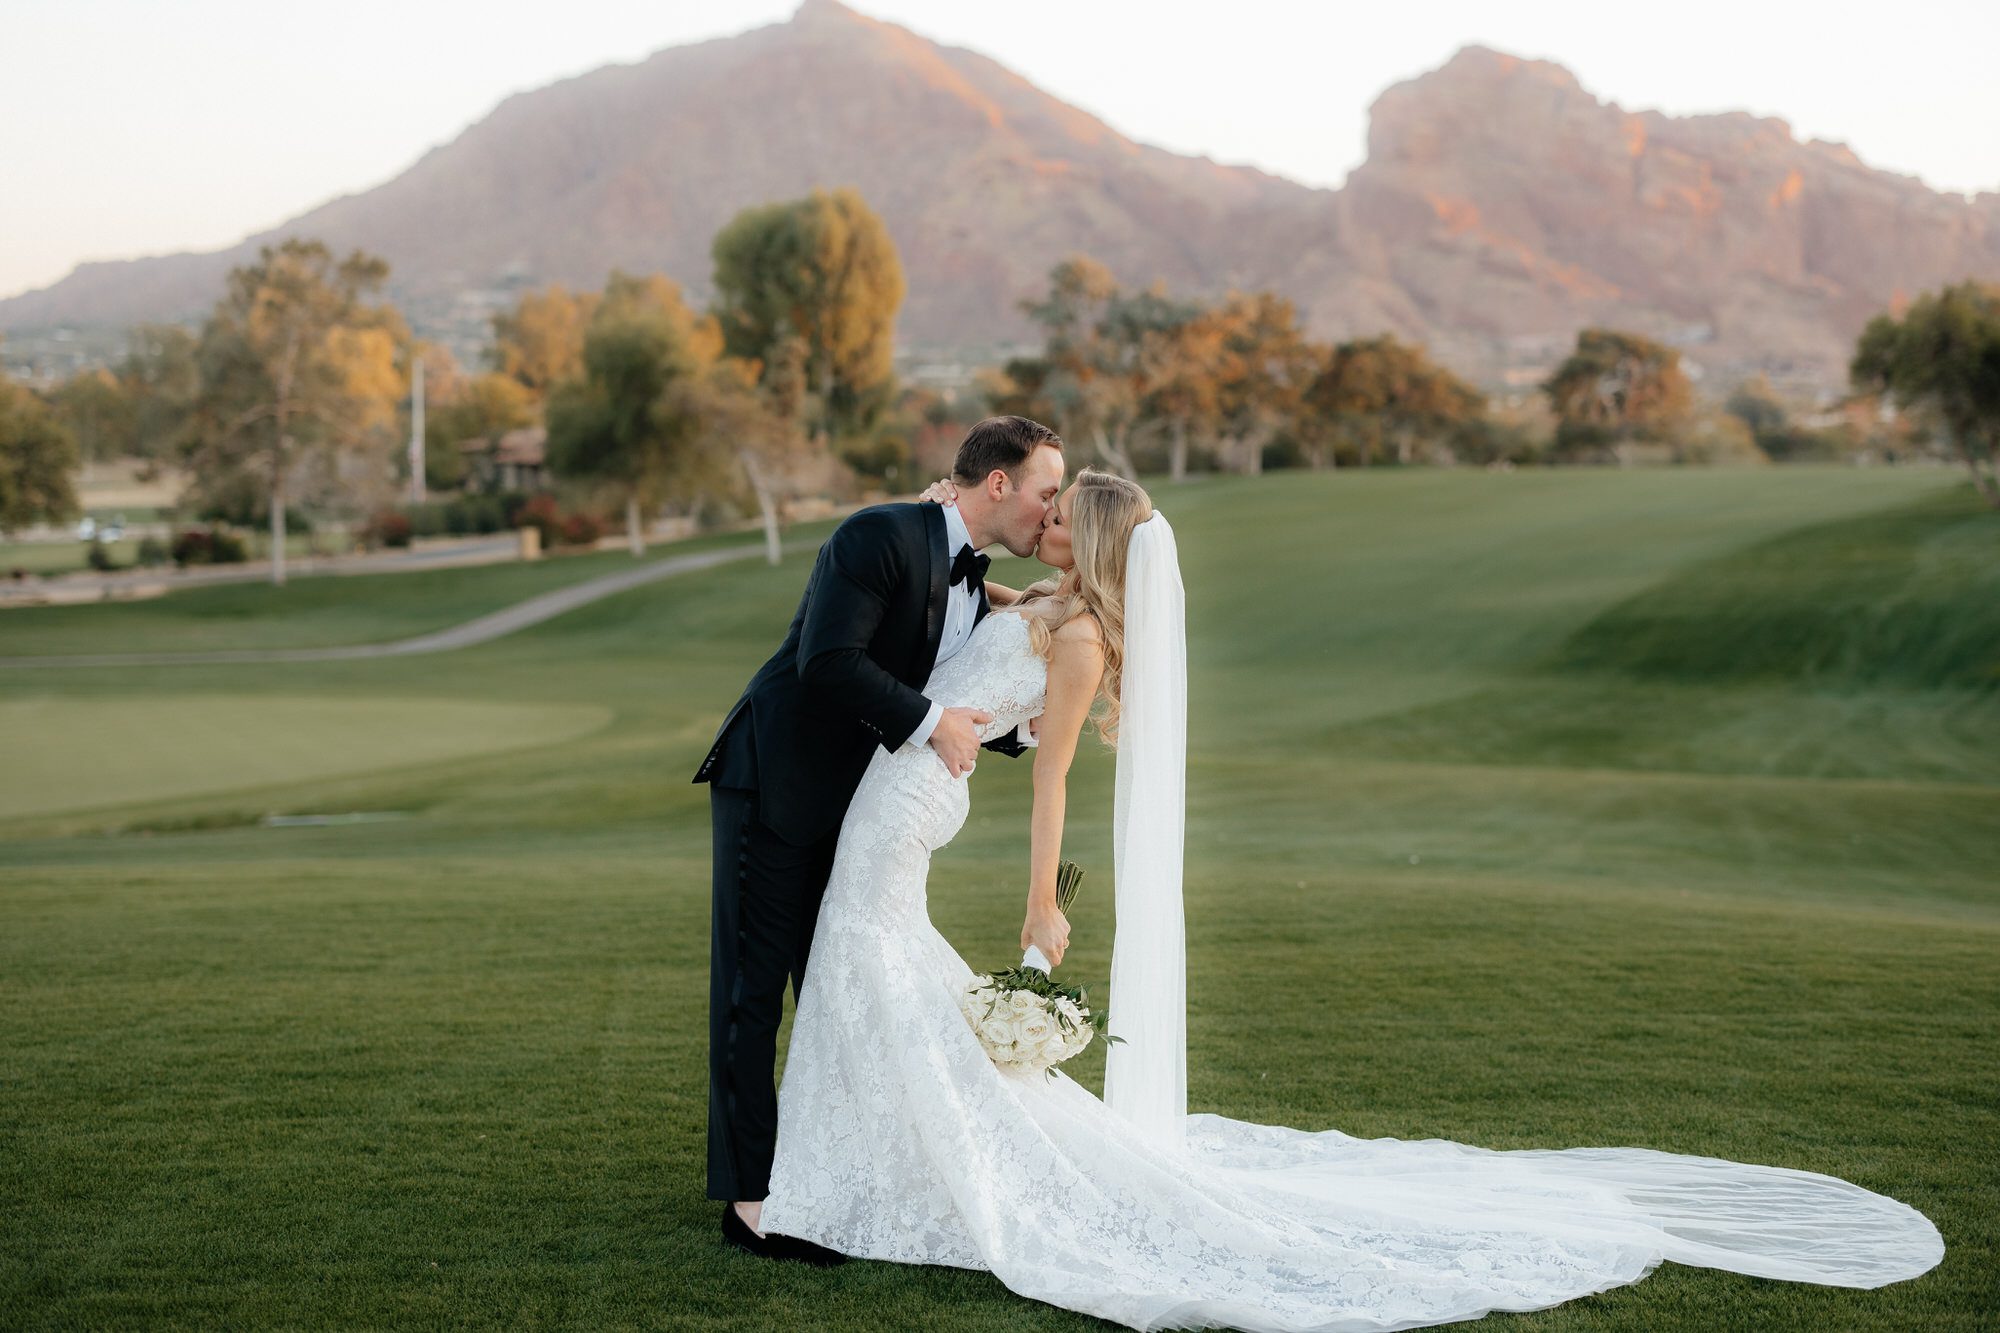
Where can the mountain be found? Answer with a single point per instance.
(1509, 205)
(1500, 208)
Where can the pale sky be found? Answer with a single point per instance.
(136, 127)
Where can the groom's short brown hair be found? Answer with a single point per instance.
(1000, 442)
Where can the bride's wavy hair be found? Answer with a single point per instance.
(1102, 515)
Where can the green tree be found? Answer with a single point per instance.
(626, 422)
(1145, 341)
(161, 376)
(823, 271)
(1116, 367)
(1267, 365)
(1121, 368)
(38, 462)
(95, 408)
(1182, 392)
(1614, 388)
(1757, 405)
(1941, 362)
(1777, 436)
(296, 370)
(749, 414)
(1085, 380)
(1381, 395)
(469, 409)
(1015, 389)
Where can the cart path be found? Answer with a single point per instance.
(543, 606)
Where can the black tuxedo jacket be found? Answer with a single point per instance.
(848, 676)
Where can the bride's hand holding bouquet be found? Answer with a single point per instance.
(1023, 1017)
(1047, 930)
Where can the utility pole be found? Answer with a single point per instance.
(417, 429)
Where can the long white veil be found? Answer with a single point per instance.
(1636, 1204)
(1145, 1076)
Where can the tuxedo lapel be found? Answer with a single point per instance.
(940, 587)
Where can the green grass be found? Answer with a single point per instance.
(315, 611)
(108, 752)
(1908, 597)
(62, 557)
(1480, 848)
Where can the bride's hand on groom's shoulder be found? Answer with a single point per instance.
(941, 492)
(1046, 929)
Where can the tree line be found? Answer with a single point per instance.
(290, 398)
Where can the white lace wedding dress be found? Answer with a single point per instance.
(899, 1139)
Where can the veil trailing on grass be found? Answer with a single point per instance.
(901, 1138)
(1145, 1075)
(1584, 1219)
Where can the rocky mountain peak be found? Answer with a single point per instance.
(1501, 207)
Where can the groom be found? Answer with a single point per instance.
(896, 589)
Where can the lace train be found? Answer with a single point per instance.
(899, 1140)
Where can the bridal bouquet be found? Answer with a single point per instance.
(1025, 1019)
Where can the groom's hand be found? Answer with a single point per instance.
(956, 738)
(1048, 930)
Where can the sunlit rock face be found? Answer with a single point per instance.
(1511, 202)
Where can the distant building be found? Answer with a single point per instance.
(516, 460)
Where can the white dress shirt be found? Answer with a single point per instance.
(961, 611)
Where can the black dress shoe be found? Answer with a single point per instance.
(738, 1233)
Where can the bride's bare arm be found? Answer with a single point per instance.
(1076, 663)
(999, 594)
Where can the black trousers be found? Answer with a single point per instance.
(767, 896)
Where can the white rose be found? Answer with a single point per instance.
(1035, 1028)
(1023, 1002)
(997, 1033)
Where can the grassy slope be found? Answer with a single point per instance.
(451, 1069)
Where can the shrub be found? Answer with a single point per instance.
(191, 548)
(213, 545)
(100, 557)
(226, 546)
(539, 512)
(247, 511)
(581, 529)
(153, 552)
(387, 527)
(424, 520)
(470, 514)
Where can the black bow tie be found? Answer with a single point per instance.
(969, 568)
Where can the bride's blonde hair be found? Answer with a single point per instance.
(1103, 513)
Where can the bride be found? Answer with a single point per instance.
(899, 1139)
